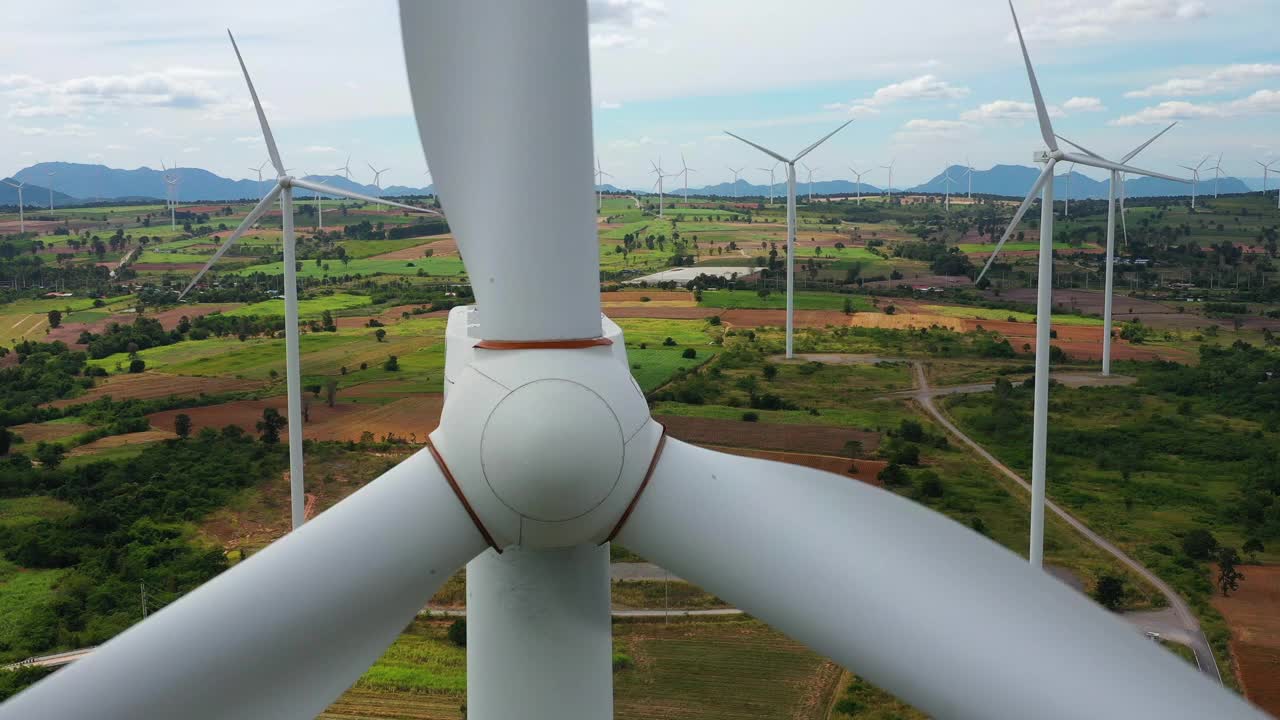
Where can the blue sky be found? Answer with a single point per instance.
(928, 82)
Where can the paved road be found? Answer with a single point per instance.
(1191, 633)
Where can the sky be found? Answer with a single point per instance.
(928, 83)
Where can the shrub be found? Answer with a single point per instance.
(893, 475)
(622, 661)
(689, 354)
(931, 484)
(1199, 544)
(457, 633)
(750, 416)
(669, 342)
(137, 365)
(392, 364)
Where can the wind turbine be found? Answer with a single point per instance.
(283, 190)
(1217, 173)
(685, 170)
(1195, 178)
(947, 181)
(254, 169)
(600, 176)
(770, 171)
(791, 218)
(377, 182)
(968, 171)
(22, 221)
(319, 205)
(1066, 192)
(345, 169)
(1044, 288)
(735, 181)
(889, 167)
(1266, 169)
(170, 181)
(859, 175)
(1116, 180)
(657, 169)
(809, 173)
(51, 173)
(546, 453)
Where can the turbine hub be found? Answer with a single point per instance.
(547, 445)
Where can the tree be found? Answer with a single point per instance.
(392, 364)
(689, 354)
(892, 475)
(182, 425)
(1228, 577)
(457, 633)
(1252, 546)
(770, 371)
(6, 439)
(55, 318)
(270, 425)
(380, 333)
(330, 392)
(137, 365)
(1199, 544)
(848, 306)
(931, 484)
(49, 454)
(1109, 592)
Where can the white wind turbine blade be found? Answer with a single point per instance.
(469, 64)
(1081, 148)
(1132, 154)
(340, 192)
(941, 617)
(1036, 187)
(1120, 167)
(284, 633)
(1042, 112)
(263, 205)
(761, 148)
(824, 138)
(257, 107)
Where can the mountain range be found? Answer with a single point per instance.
(77, 182)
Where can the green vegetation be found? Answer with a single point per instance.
(750, 299)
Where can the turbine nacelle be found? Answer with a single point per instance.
(548, 444)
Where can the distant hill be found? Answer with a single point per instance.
(1016, 180)
(32, 195)
(99, 182)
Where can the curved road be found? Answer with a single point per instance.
(1192, 634)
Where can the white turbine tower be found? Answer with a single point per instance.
(658, 184)
(257, 170)
(1266, 170)
(1066, 192)
(51, 173)
(283, 189)
(345, 169)
(546, 452)
(1217, 174)
(1195, 178)
(22, 220)
(859, 175)
(735, 180)
(968, 171)
(791, 218)
(771, 171)
(1116, 184)
(600, 176)
(947, 182)
(889, 167)
(170, 183)
(377, 182)
(1044, 288)
(685, 170)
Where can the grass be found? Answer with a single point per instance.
(654, 366)
(307, 307)
(749, 299)
(421, 660)
(18, 511)
(656, 594)
(369, 248)
(433, 266)
(22, 592)
(1009, 247)
(962, 311)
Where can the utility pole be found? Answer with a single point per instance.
(143, 587)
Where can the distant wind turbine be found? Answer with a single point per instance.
(259, 171)
(947, 182)
(1195, 178)
(735, 181)
(51, 173)
(685, 170)
(22, 221)
(657, 169)
(810, 171)
(377, 181)
(1217, 173)
(770, 171)
(791, 218)
(600, 176)
(889, 167)
(859, 175)
(968, 171)
(345, 169)
(1266, 169)
(1066, 192)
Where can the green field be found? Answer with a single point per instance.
(32, 509)
(962, 311)
(1009, 247)
(433, 266)
(749, 299)
(22, 592)
(308, 308)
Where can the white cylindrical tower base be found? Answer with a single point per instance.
(539, 641)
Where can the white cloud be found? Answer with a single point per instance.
(924, 129)
(1084, 104)
(924, 87)
(117, 146)
(1211, 83)
(95, 156)
(69, 130)
(1261, 102)
(609, 105)
(182, 88)
(1089, 20)
(620, 23)
(190, 149)
(1005, 111)
(320, 149)
(246, 139)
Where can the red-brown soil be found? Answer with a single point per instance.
(69, 332)
(410, 418)
(864, 470)
(115, 441)
(441, 246)
(819, 439)
(1253, 612)
(35, 432)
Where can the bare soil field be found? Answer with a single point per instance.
(864, 470)
(441, 246)
(115, 441)
(38, 432)
(634, 296)
(387, 317)
(410, 418)
(69, 332)
(816, 439)
(1253, 612)
(167, 267)
(778, 318)
(149, 386)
